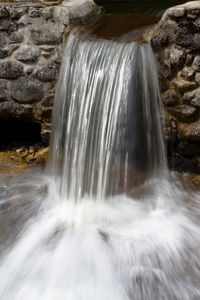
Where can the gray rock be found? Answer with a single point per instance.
(192, 98)
(27, 54)
(4, 12)
(196, 63)
(47, 13)
(5, 25)
(189, 41)
(17, 12)
(177, 57)
(184, 113)
(187, 73)
(176, 12)
(2, 39)
(3, 90)
(11, 69)
(7, 50)
(47, 34)
(48, 72)
(17, 37)
(26, 90)
(35, 13)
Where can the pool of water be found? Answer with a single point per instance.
(138, 6)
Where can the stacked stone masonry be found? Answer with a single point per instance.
(176, 41)
(32, 39)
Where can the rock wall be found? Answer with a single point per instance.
(32, 39)
(176, 41)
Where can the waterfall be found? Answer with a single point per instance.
(104, 221)
(109, 131)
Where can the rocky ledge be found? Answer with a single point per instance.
(176, 42)
(32, 39)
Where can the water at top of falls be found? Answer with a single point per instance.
(143, 242)
(109, 134)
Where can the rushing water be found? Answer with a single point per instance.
(107, 221)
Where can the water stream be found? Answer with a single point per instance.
(107, 220)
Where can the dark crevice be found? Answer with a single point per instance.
(15, 133)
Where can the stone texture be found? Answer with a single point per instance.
(191, 132)
(7, 50)
(192, 98)
(49, 34)
(27, 54)
(176, 42)
(171, 97)
(32, 39)
(184, 113)
(10, 69)
(48, 72)
(26, 90)
(184, 85)
(3, 90)
(197, 78)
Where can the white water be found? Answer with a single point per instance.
(113, 224)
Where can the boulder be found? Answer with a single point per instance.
(27, 54)
(26, 90)
(48, 72)
(11, 69)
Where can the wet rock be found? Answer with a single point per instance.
(171, 97)
(191, 132)
(49, 34)
(26, 90)
(27, 54)
(192, 97)
(183, 85)
(48, 72)
(11, 69)
(184, 113)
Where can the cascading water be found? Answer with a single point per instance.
(111, 226)
(108, 108)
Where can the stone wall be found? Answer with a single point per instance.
(176, 41)
(32, 39)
